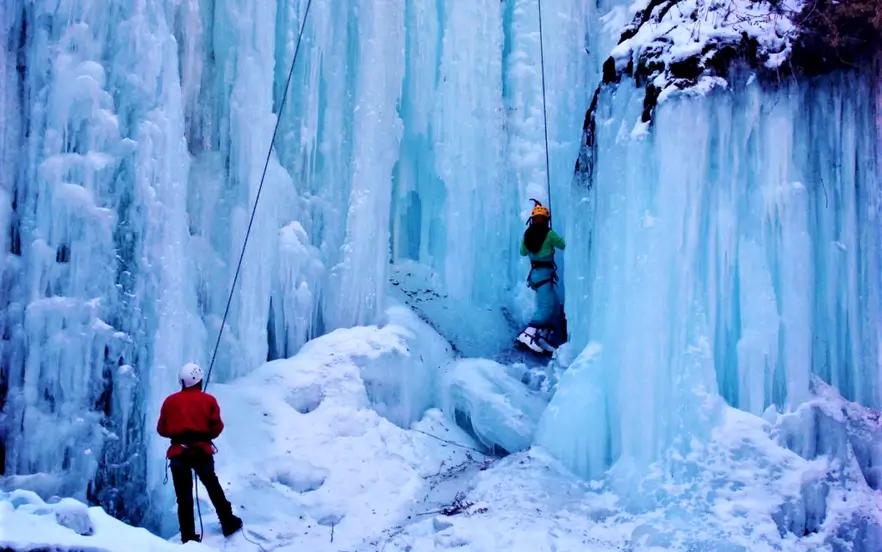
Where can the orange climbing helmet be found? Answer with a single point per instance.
(540, 210)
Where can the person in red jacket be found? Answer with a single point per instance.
(191, 419)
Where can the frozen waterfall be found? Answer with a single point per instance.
(735, 249)
(722, 269)
(132, 144)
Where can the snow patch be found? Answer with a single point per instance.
(29, 523)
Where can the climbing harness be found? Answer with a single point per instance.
(542, 264)
(245, 244)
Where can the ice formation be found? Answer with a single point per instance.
(781, 282)
(732, 251)
(722, 286)
(132, 146)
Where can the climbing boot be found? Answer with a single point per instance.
(230, 525)
(529, 338)
(188, 538)
(543, 338)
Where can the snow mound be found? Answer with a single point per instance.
(686, 46)
(844, 440)
(498, 410)
(828, 425)
(311, 453)
(742, 490)
(525, 502)
(29, 523)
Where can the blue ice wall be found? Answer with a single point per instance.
(132, 144)
(96, 300)
(732, 249)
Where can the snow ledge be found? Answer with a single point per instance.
(676, 46)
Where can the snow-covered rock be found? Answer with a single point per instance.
(686, 46)
(75, 516)
(29, 523)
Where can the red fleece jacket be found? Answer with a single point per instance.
(191, 419)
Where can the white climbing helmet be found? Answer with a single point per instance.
(190, 374)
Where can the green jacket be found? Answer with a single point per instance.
(552, 240)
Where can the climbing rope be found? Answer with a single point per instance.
(259, 189)
(263, 179)
(544, 113)
(202, 527)
(245, 244)
(547, 161)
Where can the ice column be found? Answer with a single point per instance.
(418, 194)
(734, 249)
(100, 282)
(469, 135)
(567, 75)
(360, 277)
(161, 167)
(10, 122)
(250, 45)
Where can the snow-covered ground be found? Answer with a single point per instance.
(310, 464)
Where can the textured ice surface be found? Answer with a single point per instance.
(497, 402)
(473, 330)
(730, 250)
(734, 250)
(497, 409)
(132, 144)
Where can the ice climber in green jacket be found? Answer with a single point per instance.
(539, 243)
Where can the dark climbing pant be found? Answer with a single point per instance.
(182, 468)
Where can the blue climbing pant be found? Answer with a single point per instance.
(547, 304)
